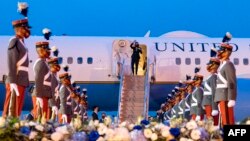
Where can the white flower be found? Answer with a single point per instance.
(17, 125)
(62, 129)
(26, 124)
(191, 125)
(183, 139)
(123, 124)
(44, 139)
(109, 133)
(54, 48)
(131, 126)
(195, 134)
(91, 123)
(96, 123)
(159, 126)
(46, 30)
(165, 132)
(77, 123)
(229, 35)
(154, 137)
(121, 134)
(248, 122)
(57, 136)
(32, 135)
(147, 133)
(22, 5)
(39, 127)
(2, 122)
(100, 139)
(32, 123)
(102, 129)
(107, 120)
(22, 123)
(183, 130)
(137, 135)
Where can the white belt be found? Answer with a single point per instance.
(207, 93)
(180, 113)
(174, 111)
(194, 104)
(221, 86)
(68, 103)
(23, 68)
(187, 105)
(187, 110)
(76, 113)
(47, 83)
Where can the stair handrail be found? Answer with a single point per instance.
(120, 90)
(146, 90)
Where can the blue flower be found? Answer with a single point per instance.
(137, 127)
(25, 130)
(93, 136)
(79, 136)
(166, 122)
(175, 132)
(144, 122)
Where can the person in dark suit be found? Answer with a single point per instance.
(135, 56)
(95, 113)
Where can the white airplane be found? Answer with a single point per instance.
(93, 60)
(173, 55)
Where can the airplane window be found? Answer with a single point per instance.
(245, 61)
(197, 61)
(70, 60)
(188, 61)
(178, 61)
(89, 60)
(60, 60)
(236, 61)
(79, 60)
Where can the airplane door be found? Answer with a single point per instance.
(121, 54)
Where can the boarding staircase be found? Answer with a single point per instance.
(133, 98)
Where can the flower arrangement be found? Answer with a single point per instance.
(176, 129)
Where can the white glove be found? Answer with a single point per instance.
(13, 86)
(198, 118)
(215, 112)
(231, 103)
(57, 95)
(64, 118)
(55, 109)
(39, 102)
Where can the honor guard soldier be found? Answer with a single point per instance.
(167, 115)
(182, 102)
(43, 91)
(226, 89)
(65, 111)
(54, 68)
(84, 105)
(135, 56)
(76, 101)
(196, 110)
(18, 63)
(211, 107)
(175, 109)
(189, 91)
